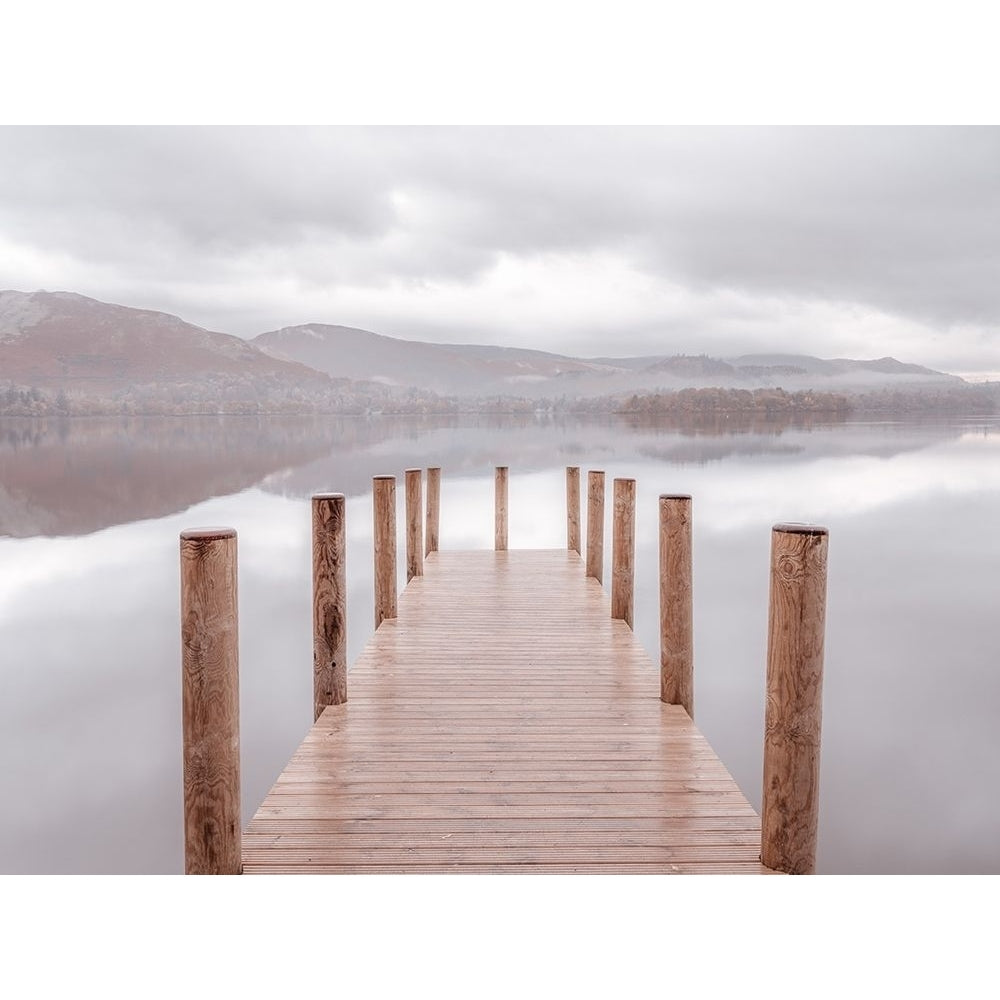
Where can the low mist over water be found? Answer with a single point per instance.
(91, 510)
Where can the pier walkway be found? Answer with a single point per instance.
(504, 722)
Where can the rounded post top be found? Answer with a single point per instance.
(414, 472)
(795, 528)
(207, 534)
(383, 478)
(328, 496)
(675, 496)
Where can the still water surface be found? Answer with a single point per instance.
(90, 513)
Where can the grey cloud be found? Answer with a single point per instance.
(225, 189)
(904, 220)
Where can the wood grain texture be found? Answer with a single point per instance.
(329, 552)
(414, 524)
(676, 606)
(796, 627)
(433, 509)
(210, 700)
(595, 525)
(500, 520)
(573, 508)
(504, 722)
(384, 513)
(623, 551)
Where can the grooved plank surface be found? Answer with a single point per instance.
(503, 722)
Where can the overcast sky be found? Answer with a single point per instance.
(837, 242)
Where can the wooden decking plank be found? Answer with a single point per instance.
(506, 854)
(671, 830)
(311, 867)
(504, 722)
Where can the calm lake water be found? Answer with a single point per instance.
(91, 510)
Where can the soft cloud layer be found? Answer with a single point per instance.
(828, 241)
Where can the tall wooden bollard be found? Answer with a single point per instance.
(384, 504)
(210, 702)
(329, 551)
(414, 524)
(595, 525)
(433, 509)
(796, 626)
(573, 508)
(500, 529)
(676, 611)
(623, 551)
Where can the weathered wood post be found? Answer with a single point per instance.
(623, 551)
(329, 552)
(796, 625)
(433, 509)
(414, 524)
(500, 531)
(573, 508)
(676, 611)
(384, 503)
(595, 525)
(210, 702)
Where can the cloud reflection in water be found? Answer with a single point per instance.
(89, 632)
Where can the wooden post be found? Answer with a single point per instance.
(414, 524)
(210, 702)
(329, 551)
(623, 551)
(500, 531)
(796, 624)
(595, 525)
(573, 508)
(433, 509)
(676, 612)
(384, 503)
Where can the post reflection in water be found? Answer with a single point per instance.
(91, 511)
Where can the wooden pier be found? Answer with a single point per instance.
(503, 718)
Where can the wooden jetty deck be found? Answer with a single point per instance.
(503, 717)
(504, 722)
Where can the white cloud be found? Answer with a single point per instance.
(585, 240)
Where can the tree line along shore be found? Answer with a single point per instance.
(240, 398)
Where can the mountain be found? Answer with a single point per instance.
(837, 367)
(73, 341)
(63, 353)
(475, 370)
(348, 352)
(121, 359)
(688, 366)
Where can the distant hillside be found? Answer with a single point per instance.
(63, 353)
(841, 367)
(687, 366)
(99, 357)
(465, 369)
(64, 338)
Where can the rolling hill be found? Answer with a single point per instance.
(480, 370)
(98, 357)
